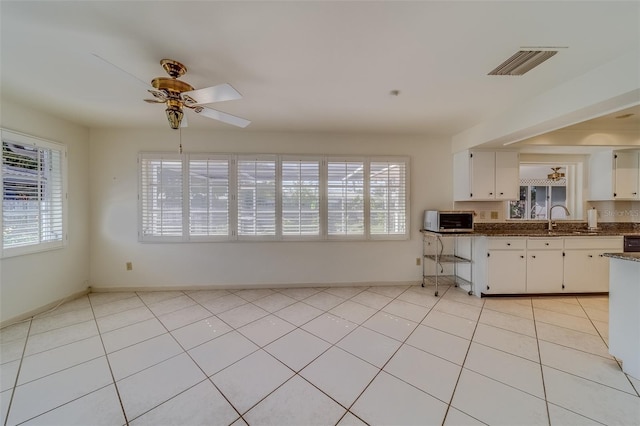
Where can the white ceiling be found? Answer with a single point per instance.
(304, 66)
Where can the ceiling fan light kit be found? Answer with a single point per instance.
(556, 175)
(176, 94)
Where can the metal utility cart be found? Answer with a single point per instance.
(433, 248)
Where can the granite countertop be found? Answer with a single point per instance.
(633, 257)
(539, 229)
(537, 233)
(558, 233)
(563, 229)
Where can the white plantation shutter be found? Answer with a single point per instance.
(388, 197)
(300, 197)
(34, 195)
(209, 192)
(161, 196)
(256, 180)
(345, 198)
(220, 197)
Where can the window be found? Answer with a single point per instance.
(209, 204)
(300, 197)
(538, 193)
(256, 196)
(33, 194)
(345, 201)
(213, 197)
(388, 197)
(161, 197)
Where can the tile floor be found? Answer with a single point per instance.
(326, 356)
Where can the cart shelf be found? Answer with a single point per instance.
(434, 253)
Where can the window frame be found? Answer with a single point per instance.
(322, 185)
(231, 205)
(572, 185)
(279, 235)
(407, 190)
(16, 138)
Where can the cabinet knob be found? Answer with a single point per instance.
(522, 257)
(502, 193)
(546, 244)
(601, 255)
(508, 244)
(491, 193)
(590, 255)
(533, 257)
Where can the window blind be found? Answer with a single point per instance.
(256, 196)
(161, 196)
(209, 206)
(345, 198)
(300, 197)
(219, 197)
(388, 197)
(33, 194)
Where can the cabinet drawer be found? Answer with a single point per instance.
(506, 243)
(545, 243)
(605, 243)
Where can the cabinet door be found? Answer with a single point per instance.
(626, 175)
(507, 176)
(544, 271)
(483, 175)
(506, 272)
(585, 271)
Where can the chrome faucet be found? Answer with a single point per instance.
(552, 224)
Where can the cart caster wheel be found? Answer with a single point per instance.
(436, 294)
(422, 284)
(470, 292)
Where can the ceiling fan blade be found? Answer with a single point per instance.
(208, 95)
(143, 83)
(222, 116)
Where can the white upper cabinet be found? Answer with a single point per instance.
(486, 175)
(614, 175)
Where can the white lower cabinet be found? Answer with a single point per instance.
(544, 265)
(585, 267)
(507, 272)
(547, 265)
(506, 266)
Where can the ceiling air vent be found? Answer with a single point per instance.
(523, 61)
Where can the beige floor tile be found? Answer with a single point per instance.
(507, 341)
(502, 404)
(592, 400)
(508, 322)
(572, 322)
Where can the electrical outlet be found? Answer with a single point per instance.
(417, 261)
(494, 215)
(129, 266)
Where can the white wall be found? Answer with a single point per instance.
(114, 174)
(31, 281)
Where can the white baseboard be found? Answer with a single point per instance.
(102, 289)
(42, 309)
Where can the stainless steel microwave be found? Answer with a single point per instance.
(448, 221)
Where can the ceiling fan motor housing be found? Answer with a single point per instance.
(174, 68)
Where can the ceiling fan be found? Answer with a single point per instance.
(556, 175)
(177, 94)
